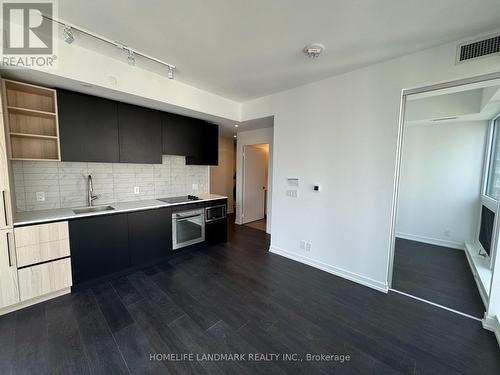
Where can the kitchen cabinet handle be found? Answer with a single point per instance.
(8, 249)
(4, 208)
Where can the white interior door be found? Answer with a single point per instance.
(254, 183)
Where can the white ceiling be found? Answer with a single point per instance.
(243, 49)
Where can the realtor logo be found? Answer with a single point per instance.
(28, 39)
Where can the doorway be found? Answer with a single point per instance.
(255, 185)
(446, 198)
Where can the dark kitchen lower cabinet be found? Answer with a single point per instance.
(216, 232)
(150, 235)
(108, 245)
(99, 246)
(88, 128)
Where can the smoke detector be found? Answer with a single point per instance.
(313, 50)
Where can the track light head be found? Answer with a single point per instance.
(131, 57)
(68, 34)
(170, 73)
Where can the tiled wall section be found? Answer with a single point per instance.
(65, 184)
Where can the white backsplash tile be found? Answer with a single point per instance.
(65, 183)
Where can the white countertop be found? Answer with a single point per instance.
(43, 216)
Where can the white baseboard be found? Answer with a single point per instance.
(366, 281)
(432, 241)
(491, 323)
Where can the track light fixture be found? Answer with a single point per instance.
(170, 73)
(131, 57)
(68, 34)
(69, 38)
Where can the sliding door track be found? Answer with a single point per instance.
(436, 304)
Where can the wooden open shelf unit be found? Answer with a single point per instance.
(32, 123)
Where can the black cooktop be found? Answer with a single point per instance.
(184, 198)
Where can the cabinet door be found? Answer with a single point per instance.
(44, 278)
(179, 135)
(9, 292)
(88, 128)
(216, 232)
(207, 146)
(150, 235)
(99, 246)
(140, 134)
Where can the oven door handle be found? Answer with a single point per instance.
(182, 218)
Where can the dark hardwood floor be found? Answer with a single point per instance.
(238, 298)
(437, 274)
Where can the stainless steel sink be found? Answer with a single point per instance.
(88, 210)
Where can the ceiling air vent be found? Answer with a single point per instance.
(484, 47)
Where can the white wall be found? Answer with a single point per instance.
(253, 137)
(440, 182)
(222, 176)
(341, 132)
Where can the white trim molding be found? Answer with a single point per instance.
(491, 323)
(366, 281)
(431, 241)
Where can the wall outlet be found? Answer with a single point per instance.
(40, 196)
(306, 246)
(292, 193)
(195, 187)
(137, 190)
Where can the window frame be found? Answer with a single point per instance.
(488, 155)
(485, 200)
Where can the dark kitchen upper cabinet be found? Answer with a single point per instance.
(178, 134)
(193, 138)
(206, 144)
(94, 129)
(99, 246)
(150, 235)
(140, 136)
(88, 128)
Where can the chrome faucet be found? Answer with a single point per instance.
(91, 196)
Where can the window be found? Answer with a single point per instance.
(493, 181)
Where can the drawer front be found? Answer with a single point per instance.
(44, 278)
(42, 252)
(36, 234)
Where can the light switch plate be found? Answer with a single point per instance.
(40, 196)
(137, 190)
(292, 193)
(195, 186)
